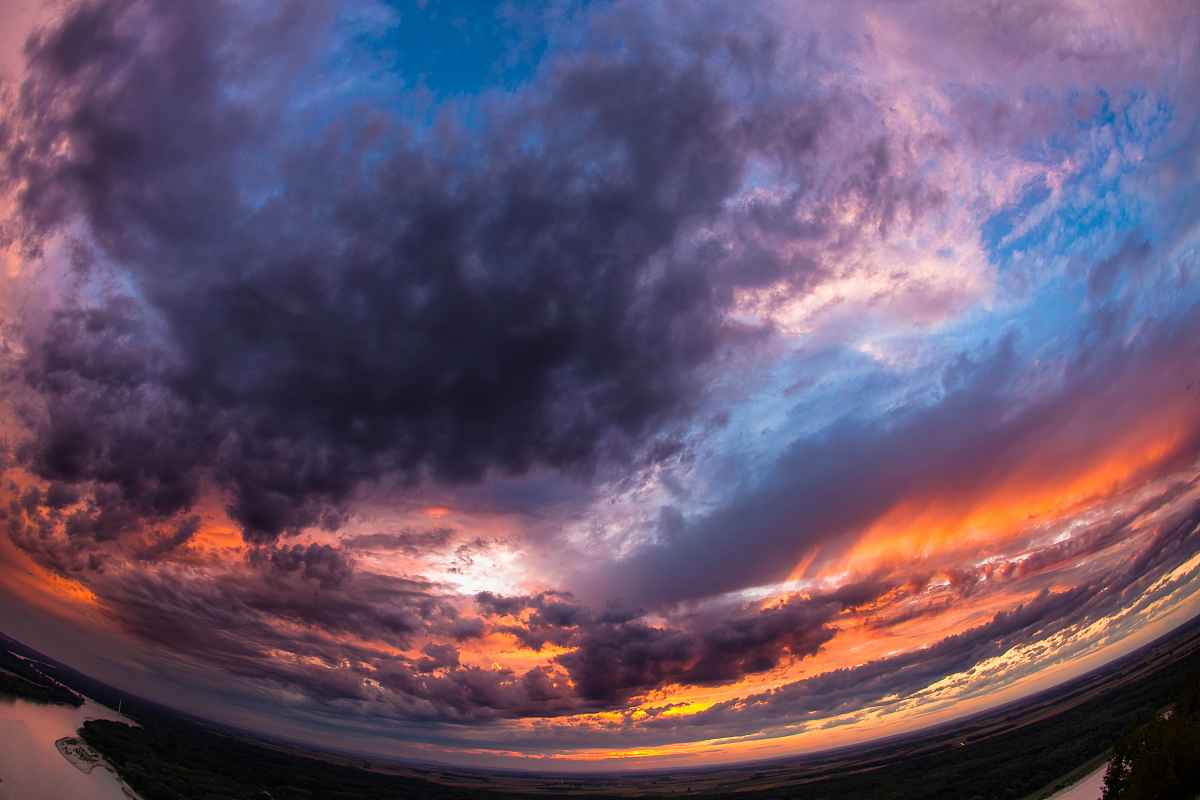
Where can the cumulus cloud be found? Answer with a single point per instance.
(290, 316)
(774, 337)
(440, 316)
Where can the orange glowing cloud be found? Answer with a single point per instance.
(60, 595)
(951, 526)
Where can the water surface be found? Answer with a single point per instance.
(31, 768)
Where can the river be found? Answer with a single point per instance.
(31, 768)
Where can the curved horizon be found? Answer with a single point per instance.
(597, 385)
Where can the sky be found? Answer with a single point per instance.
(597, 385)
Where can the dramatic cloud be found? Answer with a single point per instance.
(643, 375)
(328, 318)
(980, 434)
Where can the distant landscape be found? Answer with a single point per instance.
(1019, 751)
(664, 391)
(20, 678)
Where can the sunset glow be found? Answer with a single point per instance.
(598, 385)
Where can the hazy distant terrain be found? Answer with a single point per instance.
(19, 678)
(1009, 754)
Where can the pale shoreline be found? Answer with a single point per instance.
(85, 759)
(1088, 787)
(82, 757)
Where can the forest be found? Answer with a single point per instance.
(19, 678)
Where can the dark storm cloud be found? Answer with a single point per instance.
(617, 654)
(619, 657)
(291, 305)
(319, 562)
(238, 620)
(614, 656)
(505, 316)
(277, 625)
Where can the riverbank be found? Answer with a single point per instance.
(85, 759)
(82, 757)
(1088, 787)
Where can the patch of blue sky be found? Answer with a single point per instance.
(1158, 283)
(1093, 210)
(1092, 109)
(811, 393)
(1049, 239)
(339, 90)
(356, 72)
(812, 390)
(406, 58)
(1060, 325)
(455, 48)
(861, 386)
(998, 231)
(427, 62)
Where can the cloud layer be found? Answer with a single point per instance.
(697, 374)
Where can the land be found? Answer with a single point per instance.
(21, 677)
(82, 757)
(1022, 751)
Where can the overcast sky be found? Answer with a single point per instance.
(577, 384)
